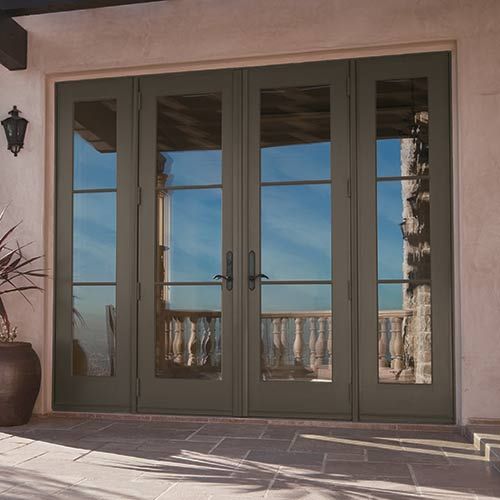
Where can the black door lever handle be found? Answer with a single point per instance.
(222, 277)
(262, 276)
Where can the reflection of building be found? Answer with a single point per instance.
(416, 253)
(164, 217)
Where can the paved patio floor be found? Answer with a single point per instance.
(69, 458)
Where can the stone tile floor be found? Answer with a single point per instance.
(78, 459)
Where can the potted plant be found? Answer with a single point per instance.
(20, 371)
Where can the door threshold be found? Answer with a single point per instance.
(334, 424)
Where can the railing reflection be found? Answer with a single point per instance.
(393, 357)
(295, 345)
(188, 344)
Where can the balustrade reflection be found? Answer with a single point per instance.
(188, 345)
(295, 346)
(394, 357)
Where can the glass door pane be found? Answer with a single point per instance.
(186, 244)
(189, 237)
(298, 332)
(296, 235)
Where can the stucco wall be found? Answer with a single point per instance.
(201, 33)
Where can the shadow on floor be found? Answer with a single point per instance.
(108, 459)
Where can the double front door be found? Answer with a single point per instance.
(269, 248)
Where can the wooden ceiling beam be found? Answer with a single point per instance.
(13, 44)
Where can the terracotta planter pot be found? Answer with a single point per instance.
(20, 375)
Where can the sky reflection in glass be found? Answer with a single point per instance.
(295, 228)
(390, 238)
(389, 158)
(193, 168)
(295, 162)
(92, 169)
(196, 234)
(94, 237)
(296, 232)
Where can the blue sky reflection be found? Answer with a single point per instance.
(91, 169)
(295, 223)
(194, 168)
(296, 232)
(296, 162)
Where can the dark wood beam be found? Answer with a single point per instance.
(13, 44)
(13, 8)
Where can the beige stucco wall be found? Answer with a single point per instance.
(179, 34)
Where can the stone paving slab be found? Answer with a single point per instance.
(88, 459)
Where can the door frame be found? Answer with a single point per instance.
(240, 393)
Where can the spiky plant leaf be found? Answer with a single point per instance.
(15, 269)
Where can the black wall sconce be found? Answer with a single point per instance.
(15, 130)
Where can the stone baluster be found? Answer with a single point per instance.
(284, 340)
(320, 342)
(329, 344)
(382, 343)
(178, 344)
(207, 343)
(396, 344)
(168, 339)
(298, 344)
(278, 347)
(193, 342)
(312, 343)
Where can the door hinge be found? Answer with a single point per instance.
(349, 187)
(137, 387)
(348, 86)
(139, 195)
(139, 100)
(349, 290)
(138, 291)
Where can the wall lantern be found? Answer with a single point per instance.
(15, 130)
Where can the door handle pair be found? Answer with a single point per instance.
(228, 277)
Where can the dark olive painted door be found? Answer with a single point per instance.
(96, 211)
(186, 252)
(404, 234)
(297, 266)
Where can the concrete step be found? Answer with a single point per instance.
(486, 439)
